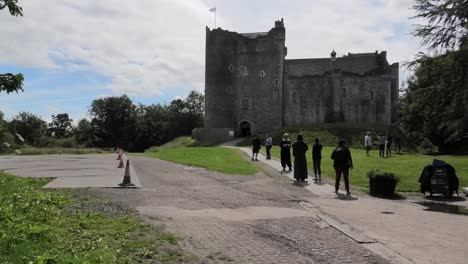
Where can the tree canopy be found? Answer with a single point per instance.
(11, 82)
(12, 6)
(434, 105)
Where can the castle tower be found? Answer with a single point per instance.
(244, 79)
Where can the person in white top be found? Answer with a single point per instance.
(268, 145)
(368, 143)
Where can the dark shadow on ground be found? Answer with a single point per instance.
(443, 198)
(444, 208)
(394, 196)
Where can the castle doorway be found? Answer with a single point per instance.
(245, 129)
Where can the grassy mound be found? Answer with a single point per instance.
(38, 226)
(176, 143)
(220, 159)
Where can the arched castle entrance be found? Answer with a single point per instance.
(245, 129)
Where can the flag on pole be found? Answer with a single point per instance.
(213, 9)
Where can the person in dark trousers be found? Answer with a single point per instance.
(317, 159)
(268, 145)
(285, 146)
(256, 144)
(398, 145)
(382, 140)
(342, 162)
(300, 161)
(389, 145)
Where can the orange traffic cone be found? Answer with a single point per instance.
(121, 164)
(126, 180)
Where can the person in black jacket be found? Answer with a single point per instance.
(342, 162)
(317, 158)
(300, 161)
(256, 144)
(285, 146)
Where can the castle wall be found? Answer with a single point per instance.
(334, 97)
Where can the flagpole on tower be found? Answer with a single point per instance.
(214, 10)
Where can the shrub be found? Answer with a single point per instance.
(382, 182)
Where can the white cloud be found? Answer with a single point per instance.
(148, 46)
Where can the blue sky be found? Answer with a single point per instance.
(72, 52)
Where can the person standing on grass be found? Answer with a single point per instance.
(285, 146)
(389, 145)
(256, 144)
(398, 145)
(317, 159)
(368, 143)
(342, 162)
(268, 145)
(300, 161)
(382, 140)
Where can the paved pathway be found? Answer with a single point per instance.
(403, 229)
(70, 171)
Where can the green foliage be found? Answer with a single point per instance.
(175, 143)
(31, 127)
(12, 6)
(407, 166)
(11, 82)
(54, 227)
(220, 159)
(382, 182)
(447, 22)
(61, 126)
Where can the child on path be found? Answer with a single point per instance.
(285, 146)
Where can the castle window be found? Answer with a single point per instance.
(276, 83)
(259, 48)
(231, 68)
(229, 90)
(262, 73)
(245, 105)
(275, 93)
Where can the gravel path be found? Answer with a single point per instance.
(264, 218)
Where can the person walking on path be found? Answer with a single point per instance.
(368, 143)
(389, 145)
(256, 144)
(342, 162)
(382, 140)
(300, 161)
(317, 159)
(268, 145)
(285, 146)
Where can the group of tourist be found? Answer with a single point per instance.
(341, 156)
(385, 144)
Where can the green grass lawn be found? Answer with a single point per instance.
(38, 226)
(225, 160)
(407, 167)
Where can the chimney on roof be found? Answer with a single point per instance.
(333, 55)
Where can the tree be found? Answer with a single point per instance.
(31, 127)
(113, 121)
(447, 23)
(84, 133)
(61, 126)
(12, 6)
(434, 104)
(11, 82)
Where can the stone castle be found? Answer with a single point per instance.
(250, 87)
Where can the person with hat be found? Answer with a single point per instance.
(285, 146)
